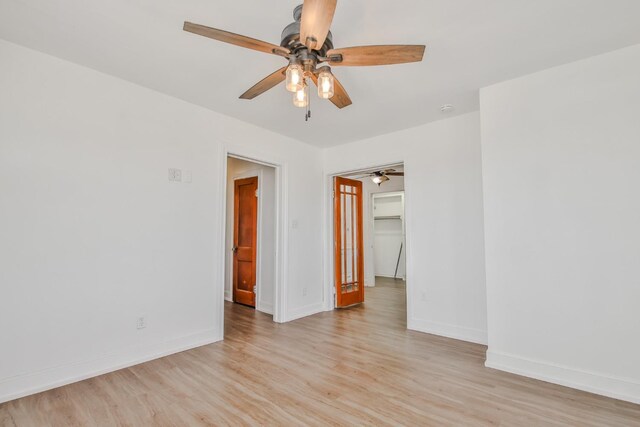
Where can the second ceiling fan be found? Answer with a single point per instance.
(308, 43)
(378, 177)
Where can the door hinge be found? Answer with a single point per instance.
(254, 289)
(256, 192)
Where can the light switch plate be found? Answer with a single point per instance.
(175, 174)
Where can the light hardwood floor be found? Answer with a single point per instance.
(358, 366)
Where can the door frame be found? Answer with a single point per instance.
(281, 232)
(329, 282)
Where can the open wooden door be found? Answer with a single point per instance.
(245, 240)
(348, 242)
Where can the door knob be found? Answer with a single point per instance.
(234, 249)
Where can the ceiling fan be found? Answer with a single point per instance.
(378, 177)
(306, 43)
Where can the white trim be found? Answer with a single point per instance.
(221, 256)
(384, 194)
(305, 311)
(22, 385)
(282, 231)
(477, 336)
(407, 222)
(605, 385)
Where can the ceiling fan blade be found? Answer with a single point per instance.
(316, 21)
(340, 96)
(376, 55)
(265, 84)
(395, 173)
(236, 39)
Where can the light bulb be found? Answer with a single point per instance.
(325, 83)
(379, 179)
(295, 77)
(301, 98)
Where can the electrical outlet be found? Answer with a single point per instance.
(304, 291)
(423, 296)
(141, 322)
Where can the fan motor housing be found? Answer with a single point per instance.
(291, 37)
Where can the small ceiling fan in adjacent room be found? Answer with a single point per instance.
(307, 44)
(378, 177)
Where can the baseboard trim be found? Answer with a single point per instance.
(390, 277)
(305, 311)
(617, 388)
(47, 379)
(476, 336)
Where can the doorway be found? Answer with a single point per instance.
(250, 235)
(383, 249)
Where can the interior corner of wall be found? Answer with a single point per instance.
(448, 330)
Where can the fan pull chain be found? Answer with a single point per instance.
(307, 114)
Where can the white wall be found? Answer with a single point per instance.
(93, 235)
(561, 162)
(266, 262)
(443, 209)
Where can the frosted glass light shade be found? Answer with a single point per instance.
(379, 179)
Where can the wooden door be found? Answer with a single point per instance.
(348, 242)
(245, 240)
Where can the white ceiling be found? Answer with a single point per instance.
(470, 44)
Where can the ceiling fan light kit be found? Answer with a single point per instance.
(301, 97)
(307, 42)
(326, 86)
(295, 76)
(379, 179)
(380, 176)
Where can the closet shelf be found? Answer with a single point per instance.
(388, 217)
